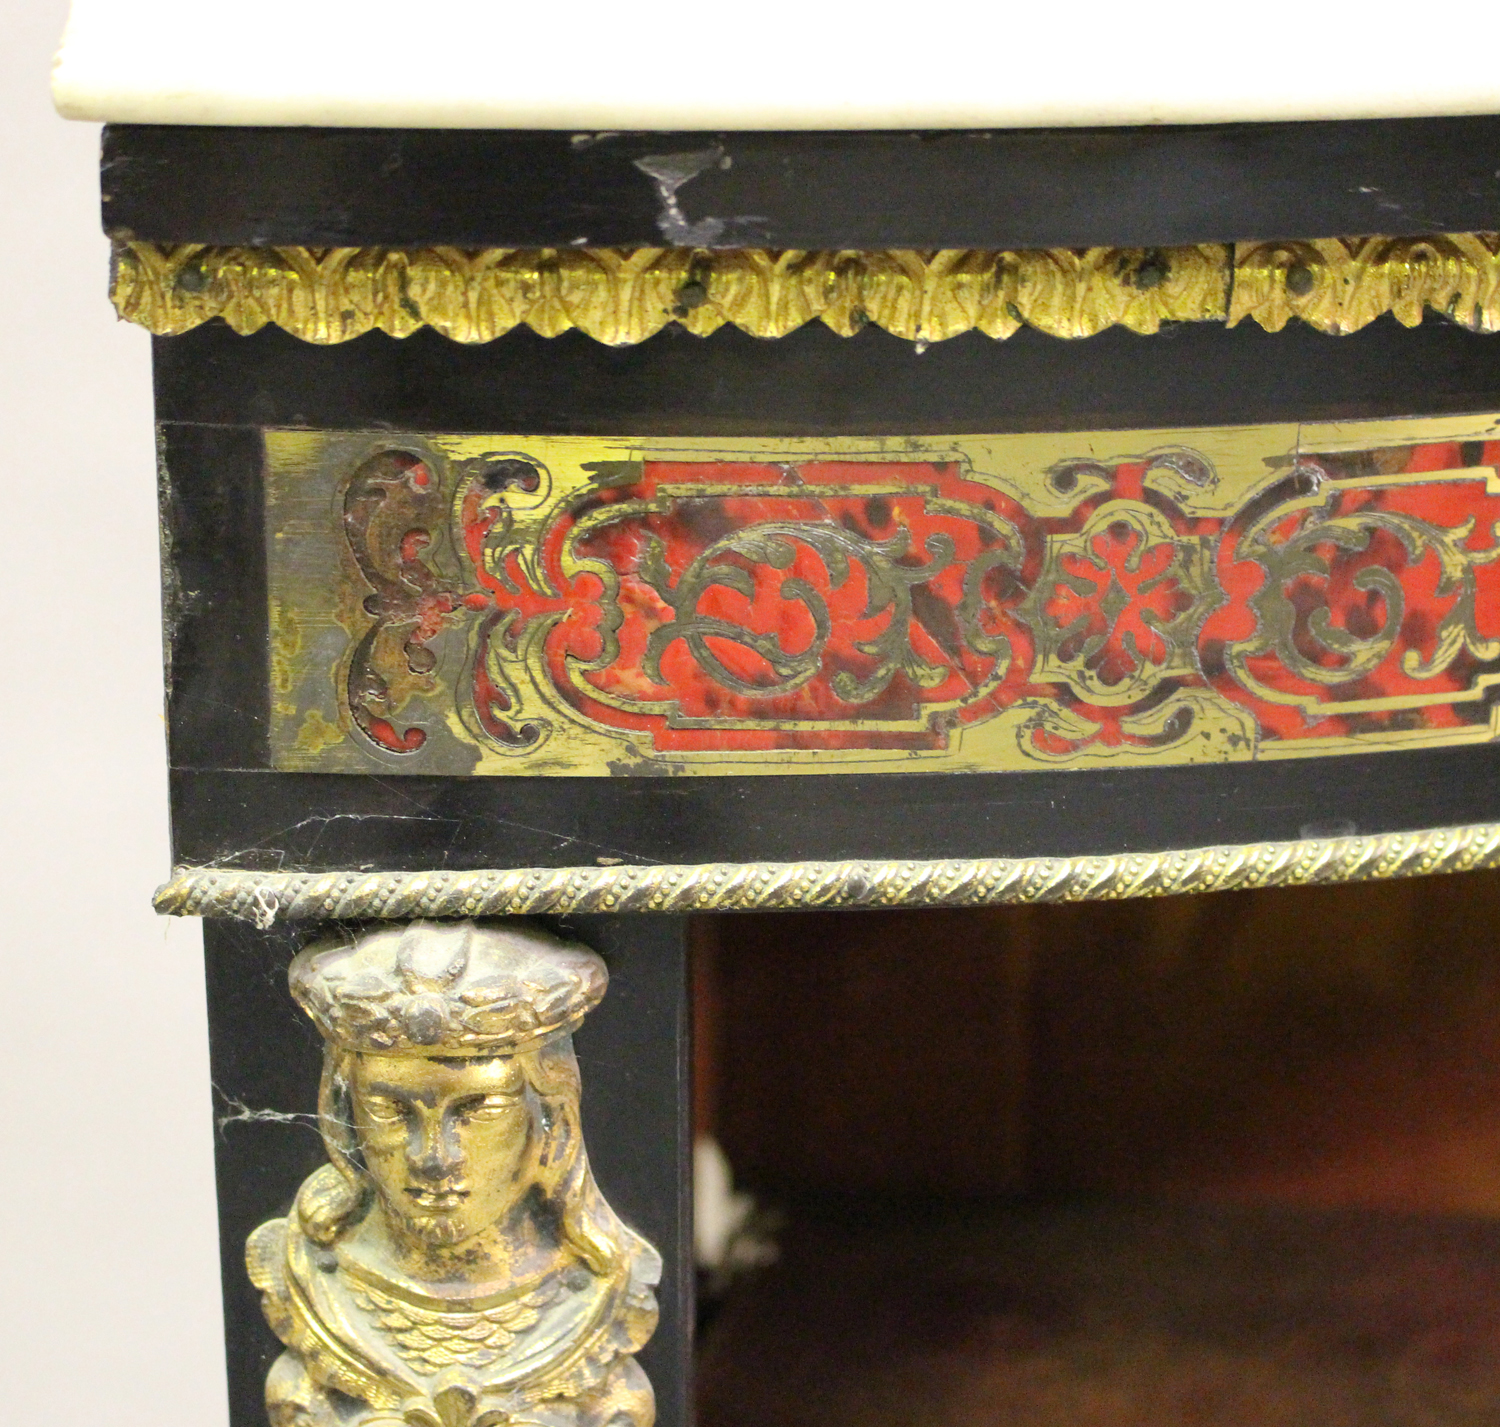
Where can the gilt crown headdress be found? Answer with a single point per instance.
(446, 988)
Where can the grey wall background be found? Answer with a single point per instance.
(109, 1309)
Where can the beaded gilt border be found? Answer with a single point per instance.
(266, 897)
(619, 297)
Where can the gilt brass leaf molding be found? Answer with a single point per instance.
(620, 296)
(1339, 285)
(267, 897)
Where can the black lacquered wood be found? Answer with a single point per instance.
(814, 382)
(633, 1053)
(1003, 188)
(214, 592)
(326, 822)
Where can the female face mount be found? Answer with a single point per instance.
(446, 1142)
(476, 1273)
(450, 1088)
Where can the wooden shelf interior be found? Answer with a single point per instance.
(1216, 1160)
(1112, 1316)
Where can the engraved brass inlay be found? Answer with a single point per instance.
(454, 1265)
(598, 606)
(621, 296)
(265, 897)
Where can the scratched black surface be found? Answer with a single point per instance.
(814, 382)
(323, 822)
(1003, 188)
(633, 1052)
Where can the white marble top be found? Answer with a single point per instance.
(606, 64)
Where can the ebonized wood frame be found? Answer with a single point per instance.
(1021, 188)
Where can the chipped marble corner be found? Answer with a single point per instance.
(454, 1264)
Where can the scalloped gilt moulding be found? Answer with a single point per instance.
(621, 297)
(847, 502)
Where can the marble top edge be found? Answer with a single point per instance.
(465, 64)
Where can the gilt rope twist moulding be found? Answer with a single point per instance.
(620, 296)
(266, 897)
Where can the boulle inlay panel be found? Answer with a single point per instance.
(546, 605)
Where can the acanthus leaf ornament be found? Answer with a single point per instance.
(625, 296)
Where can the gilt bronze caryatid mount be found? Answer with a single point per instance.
(454, 1265)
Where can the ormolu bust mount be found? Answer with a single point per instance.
(455, 1265)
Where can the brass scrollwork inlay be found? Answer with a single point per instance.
(531, 605)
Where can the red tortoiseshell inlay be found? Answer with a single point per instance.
(720, 606)
(577, 605)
